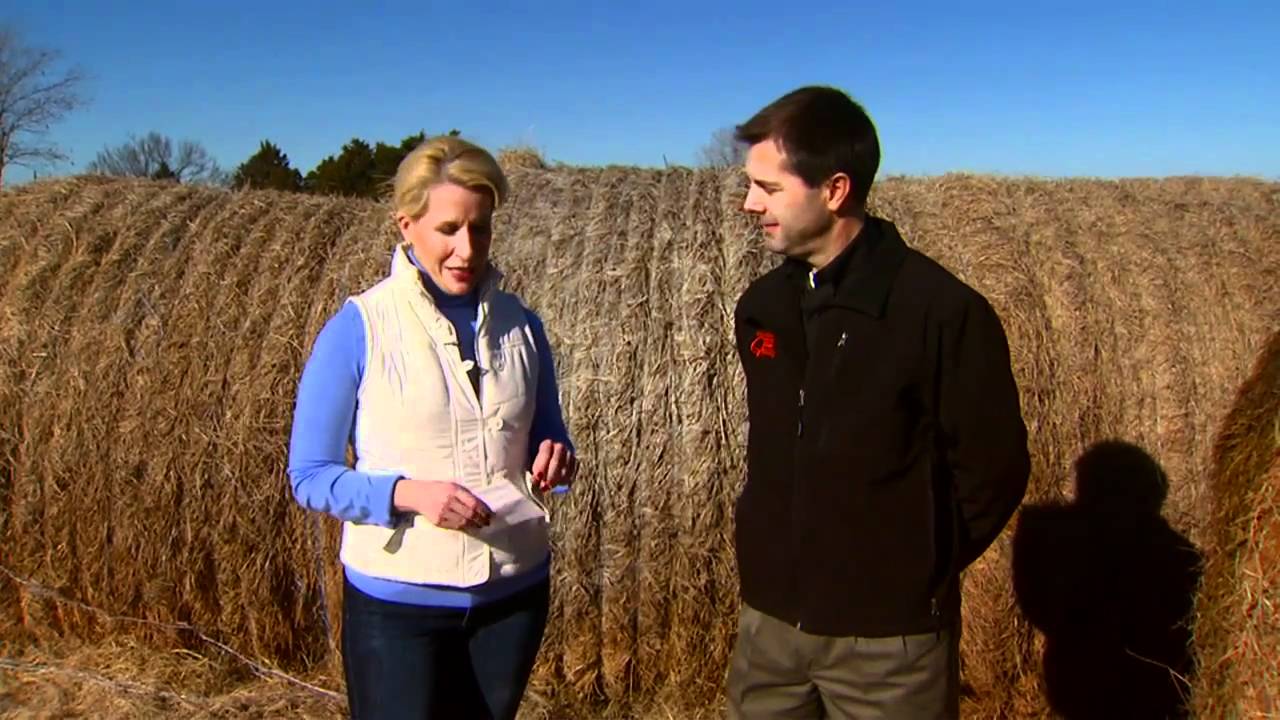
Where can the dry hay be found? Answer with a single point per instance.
(122, 678)
(520, 157)
(152, 337)
(1238, 628)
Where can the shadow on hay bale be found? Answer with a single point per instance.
(1111, 585)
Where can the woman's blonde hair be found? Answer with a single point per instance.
(442, 159)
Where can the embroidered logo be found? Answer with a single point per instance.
(763, 345)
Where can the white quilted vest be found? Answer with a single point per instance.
(417, 415)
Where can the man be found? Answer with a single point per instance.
(886, 448)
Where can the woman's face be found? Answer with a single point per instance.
(451, 239)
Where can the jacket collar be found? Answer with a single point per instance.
(861, 276)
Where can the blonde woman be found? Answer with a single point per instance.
(444, 385)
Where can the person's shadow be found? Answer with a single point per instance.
(1112, 587)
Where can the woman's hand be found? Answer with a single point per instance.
(445, 504)
(554, 465)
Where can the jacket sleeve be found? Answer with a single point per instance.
(983, 433)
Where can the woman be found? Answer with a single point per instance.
(445, 387)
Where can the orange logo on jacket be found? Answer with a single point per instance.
(763, 345)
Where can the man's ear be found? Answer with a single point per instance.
(838, 190)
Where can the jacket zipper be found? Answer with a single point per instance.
(800, 421)
(796, 492)
(942, 563)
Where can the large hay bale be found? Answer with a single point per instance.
(152, 335)
(1238, 619)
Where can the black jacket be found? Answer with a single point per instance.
(886, 448)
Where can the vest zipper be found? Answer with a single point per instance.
(482, 323)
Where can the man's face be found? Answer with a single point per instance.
(793, 216)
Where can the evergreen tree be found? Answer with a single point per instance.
(386, 158)
(267, 169)
(349, 173)
(164, 172)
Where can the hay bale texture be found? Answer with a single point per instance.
(520, 157)
(152, 335)
(1238, 630)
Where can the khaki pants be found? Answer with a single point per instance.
(780, 672)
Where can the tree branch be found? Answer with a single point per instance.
(30, 101)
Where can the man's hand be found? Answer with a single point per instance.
(554, 465)
(445, 504)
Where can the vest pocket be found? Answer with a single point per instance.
(510, 373)
(416, 551)
(519, 534)
(520, 547)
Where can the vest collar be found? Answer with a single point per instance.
(405, 274)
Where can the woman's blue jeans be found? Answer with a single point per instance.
(408, 661)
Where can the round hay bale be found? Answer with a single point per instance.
(152, 335)
(520, 157)
(1238, 613)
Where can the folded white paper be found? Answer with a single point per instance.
(509, 505)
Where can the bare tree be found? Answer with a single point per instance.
(722, 150)
(153, 156)
(34, 95)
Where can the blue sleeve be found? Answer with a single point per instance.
(322, 422)
(548, 420)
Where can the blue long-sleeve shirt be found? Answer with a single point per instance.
(324, 418)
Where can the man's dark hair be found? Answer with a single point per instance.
(822, 131)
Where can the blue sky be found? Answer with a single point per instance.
(1018, 88)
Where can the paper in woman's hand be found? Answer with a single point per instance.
(510, 506)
